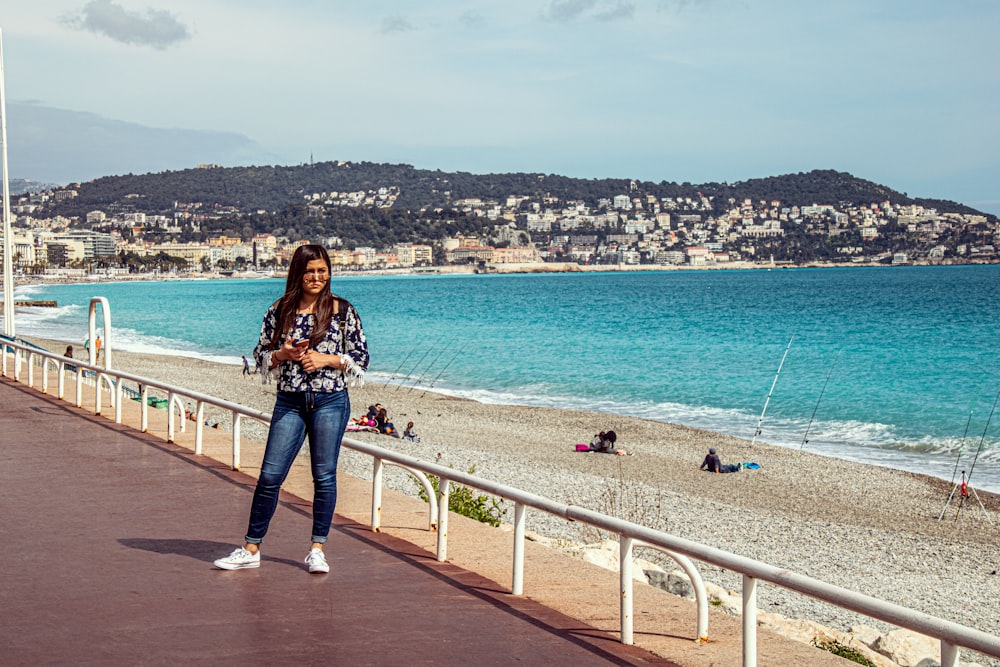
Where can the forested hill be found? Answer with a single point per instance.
(272, 188)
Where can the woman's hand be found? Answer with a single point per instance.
(292, 350)
(313, 361)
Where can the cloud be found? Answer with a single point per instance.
(472, 19)
(568, 10)
(563, 11)
(620, 10)
(154, 27)
(396, 23)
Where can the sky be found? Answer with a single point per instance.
(905, 93)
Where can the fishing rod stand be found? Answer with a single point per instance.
(965, 492)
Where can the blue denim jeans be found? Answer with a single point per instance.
(323, 417)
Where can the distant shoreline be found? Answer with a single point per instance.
(490, 269)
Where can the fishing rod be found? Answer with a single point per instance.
(966, 486)
(431, 365)
(403, 378)
(805, 437)
(961, 444)
(431, 386)
(768, 400)
(958, 458)
(405, 359)
(983, 439)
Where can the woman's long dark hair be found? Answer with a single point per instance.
(288, 304)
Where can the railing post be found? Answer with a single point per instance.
(949, 654)
(697, 583)
(31, 369)
(144, 409)
(236, 440)
(98, 394)
(749, 621)
(517, 579)
(626, 583)
(62, 381)
(79, 386)
(171, 429)
(377, 467)
(119, 395)
(199, 419)
(442, 537)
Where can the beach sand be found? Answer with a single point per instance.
(867, 528)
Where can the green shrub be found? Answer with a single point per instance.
(463, 500)
(846, 652)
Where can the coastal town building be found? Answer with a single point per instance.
(628, 228)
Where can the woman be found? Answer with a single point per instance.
(314, 341)
(383, 424)
(410, 434)
(604, 442)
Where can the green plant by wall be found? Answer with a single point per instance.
(463, 500)
(846, 652)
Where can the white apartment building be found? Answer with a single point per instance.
(95, 244)
(410, 255)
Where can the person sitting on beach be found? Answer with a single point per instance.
(69, 352)
(604, 442)
(410, 434)
(714, 464)
(384, 424)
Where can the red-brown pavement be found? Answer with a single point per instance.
(108, 535)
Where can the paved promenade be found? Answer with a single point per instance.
(108, 538)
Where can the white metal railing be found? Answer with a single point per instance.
(113, 379)
(631, 536)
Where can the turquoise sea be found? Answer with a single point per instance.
(896, 366)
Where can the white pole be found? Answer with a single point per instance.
(8, 255)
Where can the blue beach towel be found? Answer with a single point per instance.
(749, 465)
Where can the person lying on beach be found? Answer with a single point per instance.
(714, 464)
(604, 442)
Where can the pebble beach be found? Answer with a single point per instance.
(875, 530)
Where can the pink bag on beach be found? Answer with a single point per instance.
(583, 448)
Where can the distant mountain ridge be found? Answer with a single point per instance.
(272, 188)
(20, 186)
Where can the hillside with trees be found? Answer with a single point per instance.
(818, 216)
(273, 188)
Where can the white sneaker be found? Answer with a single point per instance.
(316, 560)
(240, 559)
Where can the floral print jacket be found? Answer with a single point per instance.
(291, 375)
